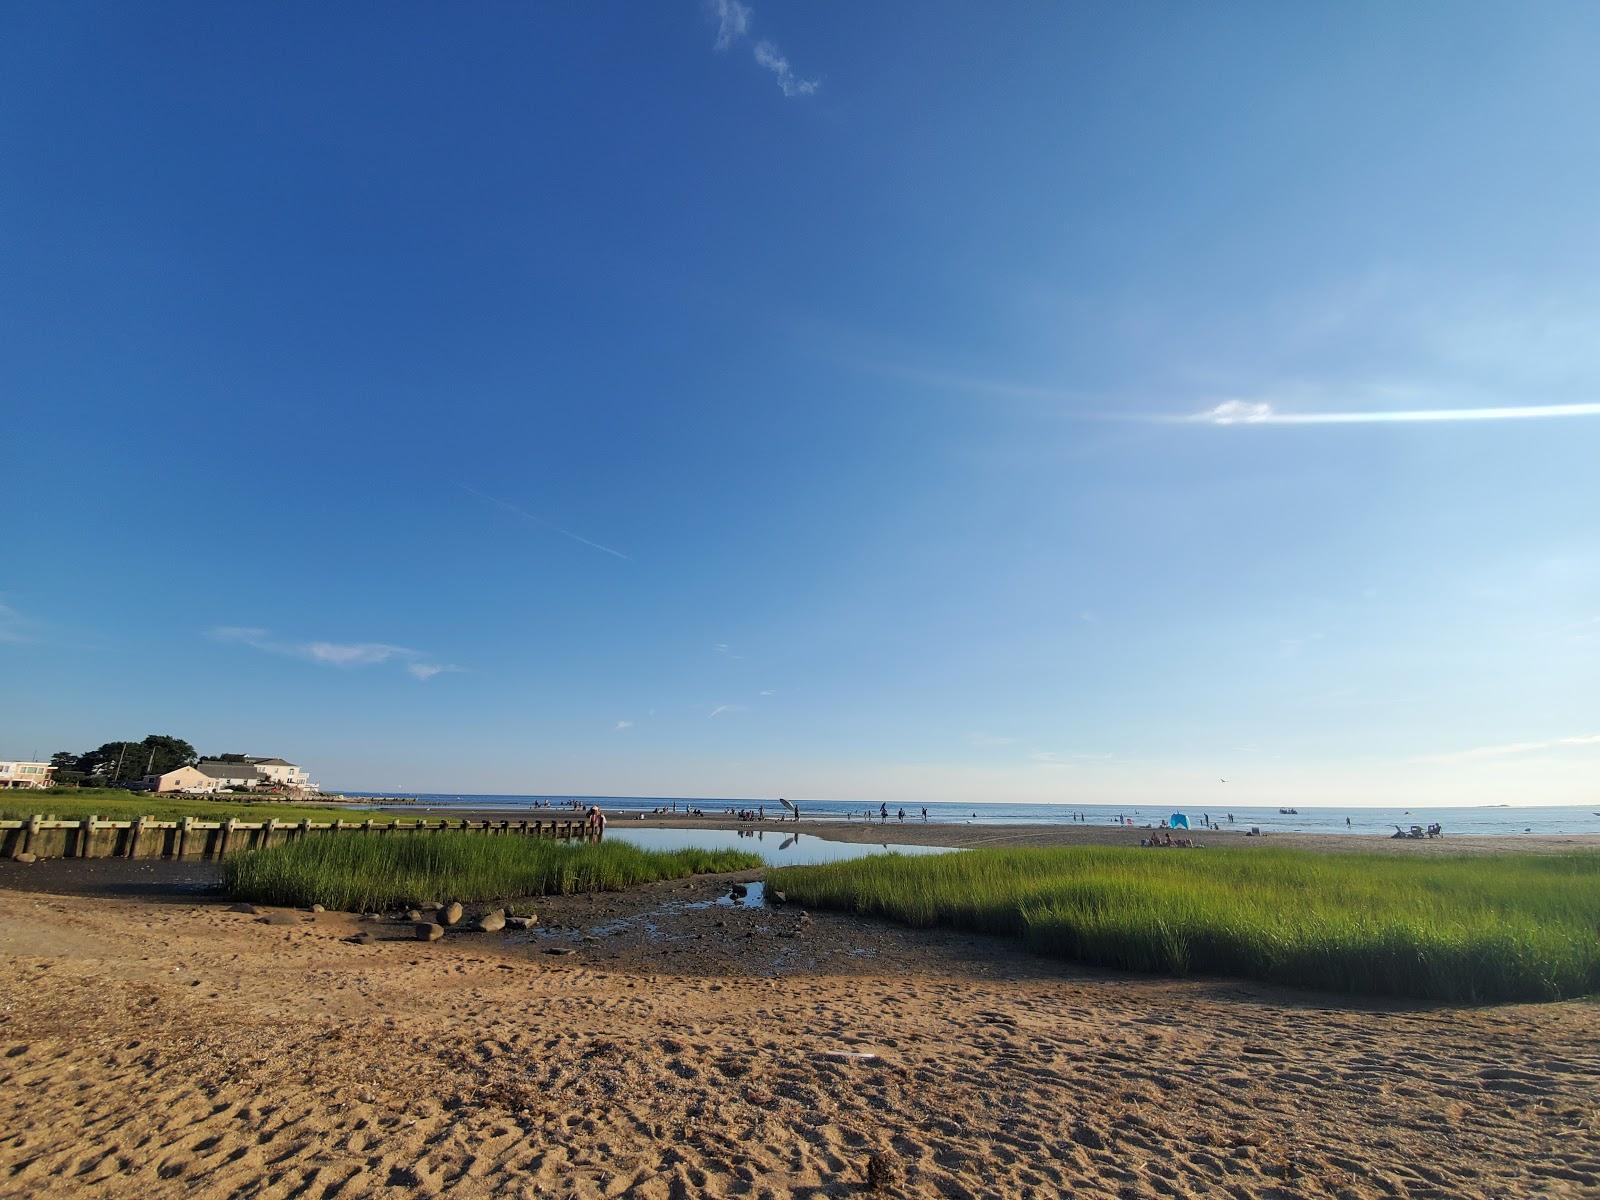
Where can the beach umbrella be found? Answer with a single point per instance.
(787, 805)
(1178, 821)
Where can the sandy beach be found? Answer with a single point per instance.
(165, 1046)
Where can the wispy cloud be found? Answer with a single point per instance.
(1085, 407)
(349, 654)
(988, 741)
(542, 523)
(13, 625)
(767, 692)
(724, 650)
(1052, 758)
(770, 57)
(621, 725)
(1509, 749)
(427, 670)
(1252, 412)
(332, 654)
(733, 24)
(1294, 647)
(720, 709)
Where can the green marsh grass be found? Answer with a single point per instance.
(363, 873)
(1451, 929)
(113, 804)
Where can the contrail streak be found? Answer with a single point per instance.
(1242, 412)
(542, 523)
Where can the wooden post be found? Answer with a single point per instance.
(268, 828)
(183, 836)
(305, 829)
(85, 836)
(135, 831)
(31, 832)
(227, 836)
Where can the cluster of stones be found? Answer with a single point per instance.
(430, 921)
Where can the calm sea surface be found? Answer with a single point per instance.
(1375, 821)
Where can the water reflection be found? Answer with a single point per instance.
(781, 849)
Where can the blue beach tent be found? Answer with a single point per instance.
(1178, 821)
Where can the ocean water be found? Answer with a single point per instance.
(1377, 822)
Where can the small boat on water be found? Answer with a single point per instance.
(1289, 812)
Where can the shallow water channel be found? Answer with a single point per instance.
(776, 848)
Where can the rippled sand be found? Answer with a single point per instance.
(153, 1049)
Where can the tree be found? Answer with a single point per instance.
(108, 762)
(163, 753)
(128, 762)
(66, 773)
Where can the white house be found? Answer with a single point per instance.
(277, 770)
(212, 775)
(17, 774)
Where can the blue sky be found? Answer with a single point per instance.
(931, 401)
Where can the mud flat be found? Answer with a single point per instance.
(691, 1044)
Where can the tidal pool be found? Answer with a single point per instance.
(776, 848)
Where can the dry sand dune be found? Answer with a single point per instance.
(155, 1049)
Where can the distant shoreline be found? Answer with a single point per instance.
(974, 834)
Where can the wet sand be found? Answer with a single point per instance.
(689, 1047)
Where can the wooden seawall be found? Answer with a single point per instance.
(146, 837)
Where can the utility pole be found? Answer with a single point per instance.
(118, 773)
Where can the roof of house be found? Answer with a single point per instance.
(227, 770)
(272, 762)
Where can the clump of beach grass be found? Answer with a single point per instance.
(1451, 929)
(364, 872)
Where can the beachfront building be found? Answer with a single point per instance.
(277, 770)
(205, 776)
(17, 774)
(216, 774)
(184, 779)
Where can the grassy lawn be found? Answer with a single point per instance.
(114, 804)
(357, 873)
(1458, 930)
